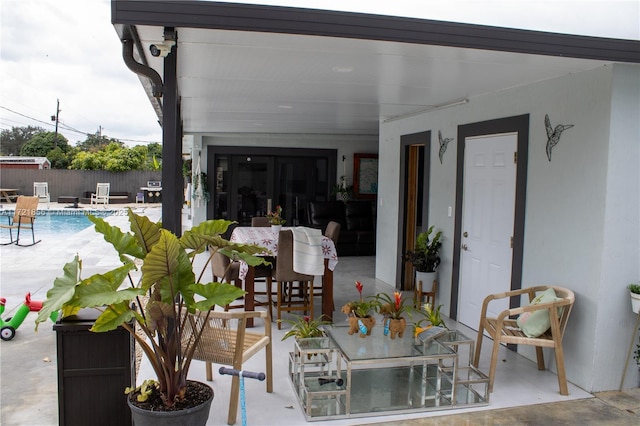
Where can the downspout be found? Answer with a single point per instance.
(138, 68)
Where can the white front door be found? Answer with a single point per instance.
(487, 223)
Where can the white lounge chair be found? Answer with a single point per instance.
(41, 190)
(102, 194)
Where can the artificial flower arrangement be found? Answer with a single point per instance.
(394, 310)
(275, 217)
(395, 307)
(359, 313)
(362, 307)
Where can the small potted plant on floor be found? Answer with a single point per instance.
(360, 312)
(157, 304)
(634, 292)
(305, 327)
(425, 258)
(306, 332)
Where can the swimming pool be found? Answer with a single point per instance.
(61, 223)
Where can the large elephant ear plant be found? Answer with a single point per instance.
(169, 281)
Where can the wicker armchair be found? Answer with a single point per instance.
(505, 328)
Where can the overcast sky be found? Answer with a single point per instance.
(68, 50)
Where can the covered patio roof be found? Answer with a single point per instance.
(241, 68)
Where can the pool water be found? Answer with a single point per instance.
(51, 224)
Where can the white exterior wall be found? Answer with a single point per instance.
(621, 246)
(582, 215)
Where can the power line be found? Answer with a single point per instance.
(71, 129)
(26, 116)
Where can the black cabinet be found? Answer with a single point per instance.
(93, 371)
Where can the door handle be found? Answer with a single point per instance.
(465, 247)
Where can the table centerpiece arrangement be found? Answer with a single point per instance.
(276, 220)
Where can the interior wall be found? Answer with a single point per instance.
(346, 145)
(568, 198)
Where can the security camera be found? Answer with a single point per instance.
(161, 49)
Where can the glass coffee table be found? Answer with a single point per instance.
(343, 376)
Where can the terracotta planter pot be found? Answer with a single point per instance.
(396, 327)
(362, 326)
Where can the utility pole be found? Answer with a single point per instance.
(55, 118)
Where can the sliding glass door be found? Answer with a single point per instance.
(252, 181)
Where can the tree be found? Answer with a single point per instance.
(60, 159)
(95, 143)
(123, 159)
(11, 141)
(114, 157)
(42, 143)
(154, 156)
(84, 160)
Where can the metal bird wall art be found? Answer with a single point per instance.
(443, 145)
(553, 135)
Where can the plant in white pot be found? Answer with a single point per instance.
(425, 257)
(634, 292)
(276, 220)
(170, 286)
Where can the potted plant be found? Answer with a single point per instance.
(431, 319)
(393, 310)
(307, 332)
(276, 220)
(342, 191)
(425, 258)
(170, 287)
(634, 292)
(304, 327)
(359, 313)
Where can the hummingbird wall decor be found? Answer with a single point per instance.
(443, 145)
(553, 135)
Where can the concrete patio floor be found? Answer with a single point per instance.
(28, 395)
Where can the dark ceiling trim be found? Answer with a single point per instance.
(288, 20)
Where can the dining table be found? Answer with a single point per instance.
(267, 238)
(8, 194)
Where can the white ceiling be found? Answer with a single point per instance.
(235, 81)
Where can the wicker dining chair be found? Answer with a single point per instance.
(225, 341)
